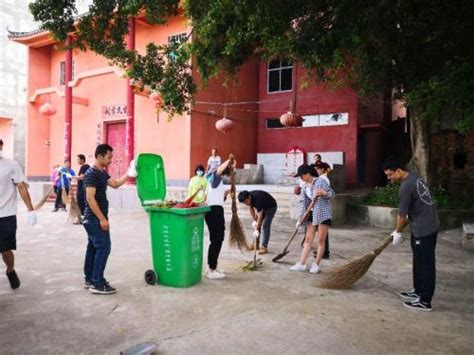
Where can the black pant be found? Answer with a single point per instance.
(424, 266)
(216, 225)
(81, 200)
(59, 201)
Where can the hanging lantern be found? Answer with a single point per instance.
(291, 119)
(224, 125)
(47, 109)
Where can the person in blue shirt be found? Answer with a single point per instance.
(63, 179)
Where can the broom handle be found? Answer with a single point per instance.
(382, 246)
(305, 216)
(190, 198)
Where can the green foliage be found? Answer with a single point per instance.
(420, 50)
(383, 196)
(388, 196)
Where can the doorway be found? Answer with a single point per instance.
(115, 137)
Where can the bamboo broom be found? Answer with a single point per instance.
(346, 275)
(237, 233)
(74, 211)
(64, 196)
(44, 199)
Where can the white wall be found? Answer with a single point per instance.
(274, 164)
(13, 71)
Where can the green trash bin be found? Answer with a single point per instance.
(176, 233)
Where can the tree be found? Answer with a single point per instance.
(419, 50)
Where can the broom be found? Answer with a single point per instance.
(303, 219)
(74, 211)
(346, 275)
(44, 199)
(64, 196)
(237, 233)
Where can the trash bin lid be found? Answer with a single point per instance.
(151, 181)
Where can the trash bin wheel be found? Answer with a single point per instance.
(150, 277)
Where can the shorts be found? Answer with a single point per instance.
(7, 233)
(327, 222)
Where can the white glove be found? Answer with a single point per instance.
(254, 224)
(256, 234)
(298, 224)
(397, 237)
(132, 171)
(31, 218)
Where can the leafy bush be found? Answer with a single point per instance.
(383, 196)
(388, 197)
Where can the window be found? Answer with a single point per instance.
(273, 123)
(62, 72)
(280, 76)
(330, 119)
(176, 39)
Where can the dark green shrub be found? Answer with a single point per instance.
(388, 196)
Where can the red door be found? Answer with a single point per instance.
(116, 139)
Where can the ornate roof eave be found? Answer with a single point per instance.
(36, 38)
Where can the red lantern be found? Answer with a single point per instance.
(47, 109)
(224, 125)
(291, 119)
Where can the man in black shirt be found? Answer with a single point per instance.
(96, 221)
(262, 207)
(81, 201)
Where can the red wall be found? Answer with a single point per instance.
(316, 99)
(242, 139)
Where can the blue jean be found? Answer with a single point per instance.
(98, 250)
(268, 215)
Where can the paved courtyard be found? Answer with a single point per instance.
(270, 311)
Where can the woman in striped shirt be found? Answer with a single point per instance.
(320, 218)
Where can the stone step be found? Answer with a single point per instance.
(468, 236)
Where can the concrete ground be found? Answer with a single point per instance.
(269, 311)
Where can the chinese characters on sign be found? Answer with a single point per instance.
(111, 111)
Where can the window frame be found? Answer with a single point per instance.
(62, 74)
(280, 68)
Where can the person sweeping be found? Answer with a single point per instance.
(216, 195)
(262, 208)
(320, 218)
(416, 203)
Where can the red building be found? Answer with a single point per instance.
(94, 104)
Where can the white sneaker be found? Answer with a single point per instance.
(298, 267)
(214, 274)
(314, 268)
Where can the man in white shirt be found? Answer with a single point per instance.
(213, 162)
(11, 180)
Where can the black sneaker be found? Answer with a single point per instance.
(418, 306)
(55, 210)
(409, 295)
(102, 290)
(14, 280)
(87, 284)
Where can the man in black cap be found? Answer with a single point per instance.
(12, 181)
(262, 207)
